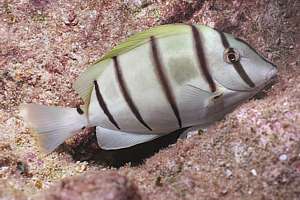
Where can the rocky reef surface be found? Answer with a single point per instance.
(253, 153)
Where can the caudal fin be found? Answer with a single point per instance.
(53, 125)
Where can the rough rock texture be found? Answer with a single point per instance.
(11, 168)
(254, 153)
(101, 186)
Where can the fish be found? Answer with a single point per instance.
(166, 78)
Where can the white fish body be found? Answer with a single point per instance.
(158, 81)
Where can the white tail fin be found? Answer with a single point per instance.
(53, 124)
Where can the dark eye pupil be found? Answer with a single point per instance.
(232, 57)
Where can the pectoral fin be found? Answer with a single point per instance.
(113, 139)
(194, 97)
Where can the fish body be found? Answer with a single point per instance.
(158, 81)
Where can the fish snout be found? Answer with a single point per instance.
(271, 74)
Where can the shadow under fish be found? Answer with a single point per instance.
(88, 150)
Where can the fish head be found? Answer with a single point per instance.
(241, 67)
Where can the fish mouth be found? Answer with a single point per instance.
(261, 91)
(271, 78)
(272, 74)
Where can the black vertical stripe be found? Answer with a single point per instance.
(224, 40)
(103, 105)
(201, 59)
(126, 94)
(240, 70)
(79, 110)
(163, 80)
(237, 65)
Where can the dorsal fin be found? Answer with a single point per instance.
(84, 84)
(143, 37)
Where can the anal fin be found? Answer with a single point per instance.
(114, 139)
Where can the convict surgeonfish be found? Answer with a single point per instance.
(164, 79)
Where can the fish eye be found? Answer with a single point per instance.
(231, 56)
